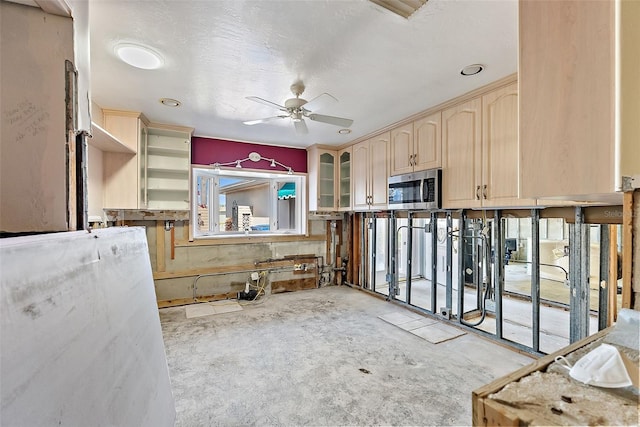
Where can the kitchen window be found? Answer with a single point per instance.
(245, 203)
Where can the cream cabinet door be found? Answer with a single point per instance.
(344, 179)
(379, 163)
(360, 175)
(402, 153)
(427, 142)
(500, 160)
(567, 96)
(462, 155)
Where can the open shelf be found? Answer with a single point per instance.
(104, 141)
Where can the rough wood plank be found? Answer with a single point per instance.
(250, 239)
(146, 215)
(239, 268)
(537, 365)
(160, 261)
(354, 255)
(173, 242)
(185, 301)
(627, 248)
(293, 285)
(490, 413)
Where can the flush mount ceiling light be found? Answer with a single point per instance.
(471, 70)
(344, 131)
(139, 56)
(170, 102)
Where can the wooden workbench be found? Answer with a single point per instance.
(544, 394)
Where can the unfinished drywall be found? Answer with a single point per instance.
(80, 334)
(33, 181)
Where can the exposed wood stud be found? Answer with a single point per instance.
(160, 261)
(173, 242)
(612, 311)
(627, 247)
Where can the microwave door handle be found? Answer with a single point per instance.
(422, 190)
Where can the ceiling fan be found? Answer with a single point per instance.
(297, 109)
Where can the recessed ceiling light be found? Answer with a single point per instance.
(471, 70)
(139, 56)
(344, 131)
(170, 102)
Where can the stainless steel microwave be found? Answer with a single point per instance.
(417, 190)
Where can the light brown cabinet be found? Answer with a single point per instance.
(500, 157)
(321, 165)
(120, 170)
(344, 179)
(462, 155)
(370, 173)
(402, 152)
(151, 168)
(427, 142)
(416, 146)
(579, 103)
(480, 146)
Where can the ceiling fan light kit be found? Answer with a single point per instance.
(297, 109)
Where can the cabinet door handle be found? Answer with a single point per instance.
(484, 191)
(477, 192)
(410, 159)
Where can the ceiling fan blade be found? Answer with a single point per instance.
(268, 119)
(337, 121)
(265, 102)
(320, 102)
(301, 127)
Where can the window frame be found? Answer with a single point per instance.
(273, 179)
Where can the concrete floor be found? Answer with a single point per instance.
(323, 357)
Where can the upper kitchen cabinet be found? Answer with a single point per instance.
(120, 169)
(480, 152)
(579, 98)
(344, 179)
(427, 142)
(416, 146)
(165, 162)
(500, 159)
(321, 165)
(462, 155)
(402, 152)
(370, 173)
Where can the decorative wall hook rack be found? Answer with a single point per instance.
(254, 157)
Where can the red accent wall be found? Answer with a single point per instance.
(205, 151)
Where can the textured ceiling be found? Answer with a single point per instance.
(381, 67)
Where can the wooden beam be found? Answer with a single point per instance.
(185, 301)
(160, 261)
(293, 285)
(250, 239)
(173, 242)
(158, 275)
(354, 256)
(627, 247)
